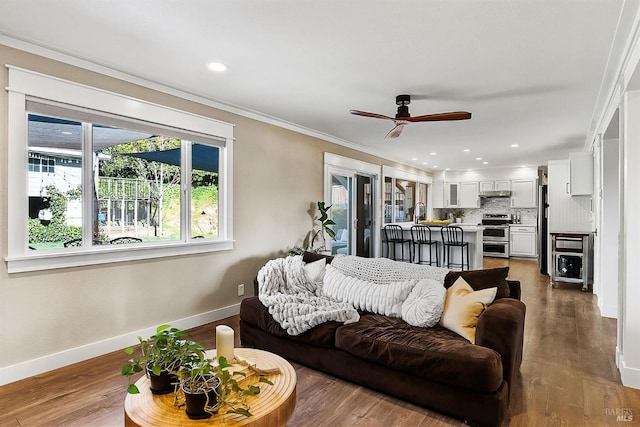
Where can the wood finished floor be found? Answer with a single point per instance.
(568, 376)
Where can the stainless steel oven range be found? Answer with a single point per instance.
(495, 235)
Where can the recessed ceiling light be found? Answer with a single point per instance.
(466, 150)
(425, 163)
(433, 154)
(514, 145)
(485, 163)
(478, 158)
(66, 132)
(435, 166)
(217, 66)
(447, 169)
(414, 158)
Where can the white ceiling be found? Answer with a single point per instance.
(529, 71)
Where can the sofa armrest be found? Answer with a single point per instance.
(501, 328)
(514, 289)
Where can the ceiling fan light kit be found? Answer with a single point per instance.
(403, 117)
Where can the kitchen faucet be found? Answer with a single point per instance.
(416, 217)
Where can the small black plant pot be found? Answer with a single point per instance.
(199, 404)
(163, 383)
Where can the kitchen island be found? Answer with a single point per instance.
(472, 233)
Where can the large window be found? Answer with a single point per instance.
(146, 182)
(405, 196)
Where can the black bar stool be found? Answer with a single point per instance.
(421, 235)
(453, 237)
(394, 236)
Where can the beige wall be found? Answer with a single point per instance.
(278, 175)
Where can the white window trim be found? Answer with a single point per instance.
(23, 83)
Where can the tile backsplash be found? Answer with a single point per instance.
(492, 205)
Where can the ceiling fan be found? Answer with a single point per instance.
(403, 117)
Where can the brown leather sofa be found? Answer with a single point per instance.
(431, 367)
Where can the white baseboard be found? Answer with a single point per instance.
(608, 310)
(630, 376)
(19, 371)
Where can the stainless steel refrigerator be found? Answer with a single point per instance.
(543, 228)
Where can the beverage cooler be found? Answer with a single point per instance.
(571, 258)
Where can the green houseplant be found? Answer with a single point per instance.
(458, 214)
(162, 356)
(208, 390)
(325, 225)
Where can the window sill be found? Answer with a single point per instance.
(72, 257)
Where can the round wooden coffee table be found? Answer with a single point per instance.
(272, 407)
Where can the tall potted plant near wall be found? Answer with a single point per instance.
(162, 356)
(325, 227)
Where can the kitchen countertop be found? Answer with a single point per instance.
(466, 226)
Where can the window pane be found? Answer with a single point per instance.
(204, 191)
(138, 190)
(388, 199)
(54, 193)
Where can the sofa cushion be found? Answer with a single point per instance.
(254, 312)
(314, 272)
(436, 354)
(482, 279)
(312, 256)
(368, 296)
(463, 306)
(424, 305)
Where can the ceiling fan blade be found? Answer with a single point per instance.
(454, 115)
(366, 114)
(396, 131)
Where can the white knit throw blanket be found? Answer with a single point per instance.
(385, 271)
(293, 301)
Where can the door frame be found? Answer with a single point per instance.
(334, 163)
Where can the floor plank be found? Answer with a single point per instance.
(568, 376)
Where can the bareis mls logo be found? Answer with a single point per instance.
(618, 414)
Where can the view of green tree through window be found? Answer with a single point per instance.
(136, 190)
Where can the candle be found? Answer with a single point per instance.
(224, 342)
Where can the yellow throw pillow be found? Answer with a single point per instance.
(463, 306)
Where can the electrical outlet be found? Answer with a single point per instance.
(241, 289)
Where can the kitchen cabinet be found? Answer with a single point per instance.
(581, 174)
(469, 195)
(566, 213)
(524, 193)
(523, 240)
(500, 185)
(451, 194)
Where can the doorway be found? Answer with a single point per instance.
(351, 200)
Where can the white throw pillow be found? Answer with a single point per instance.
(425, 304)
(314, 271)
(376, 298)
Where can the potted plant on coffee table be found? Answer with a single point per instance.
(209, 390)
(162, 356)
(200, 388)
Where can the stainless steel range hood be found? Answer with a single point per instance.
(499, 193)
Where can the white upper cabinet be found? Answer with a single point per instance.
(486, 186)
(469, 195)
(524, 193)
(581, 173)
(499, 185)
(451, 194)
(502, 185)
